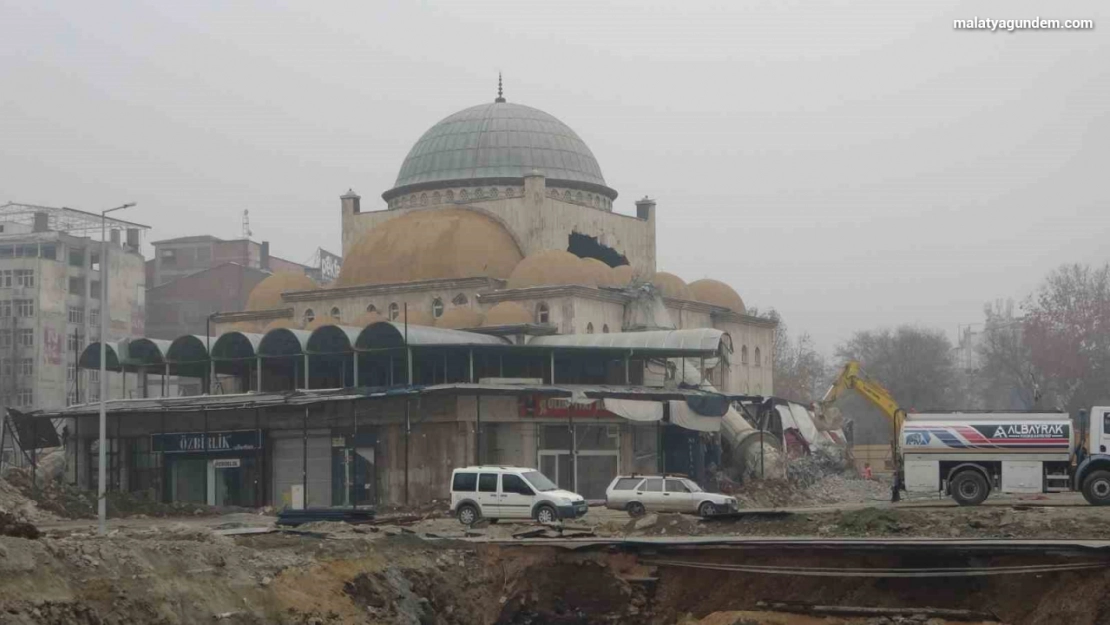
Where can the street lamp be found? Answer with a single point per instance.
(105, 310)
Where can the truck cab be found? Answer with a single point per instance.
(1092, 476)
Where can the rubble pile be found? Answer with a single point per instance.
(65, 500)
(19, 506)
(822, 477)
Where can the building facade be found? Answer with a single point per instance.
(50, 303)
(496, 308)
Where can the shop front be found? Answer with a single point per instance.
(214, 468)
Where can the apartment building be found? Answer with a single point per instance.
(50, 303)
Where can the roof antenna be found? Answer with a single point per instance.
(500, 97)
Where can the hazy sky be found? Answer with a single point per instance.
(852, 163)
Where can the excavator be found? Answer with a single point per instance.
(853, 378)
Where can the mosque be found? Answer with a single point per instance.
(501, 222)
(495, 308)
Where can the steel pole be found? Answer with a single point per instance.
(105, 310)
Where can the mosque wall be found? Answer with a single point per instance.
(537, 219)
(749, 373)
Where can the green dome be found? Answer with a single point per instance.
(499, 143)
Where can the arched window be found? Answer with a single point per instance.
(309, 316)
(335, 314)
(493, 193)
(460, 300)
(372, 308)
(508, 192)
(589, 328)
(437, 308)
(605, 329)
(462, 195)
(579, 196)
(744, 355)
(758, 358)
(566, 195)
(543, 313)
(435, 198)
(395, 311)
(450, 195)
(423, 199)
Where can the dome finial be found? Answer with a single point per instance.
(500, 98)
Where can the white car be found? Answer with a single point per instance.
(638, 494)
(510, 493)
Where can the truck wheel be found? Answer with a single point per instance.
(1096, 488)
(969, 488)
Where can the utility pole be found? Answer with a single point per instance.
(105, 311)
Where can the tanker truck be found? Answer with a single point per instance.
(969, 455)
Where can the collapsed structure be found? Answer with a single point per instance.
(497, 310)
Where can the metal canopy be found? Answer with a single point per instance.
(333, 339)
(236, 346)
(283, 342)
(147, 352)
(692, 342)
(189, 348)
(90, 357)
(388, 334)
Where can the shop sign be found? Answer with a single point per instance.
(194, 442)
(560, 407)
(226, 463)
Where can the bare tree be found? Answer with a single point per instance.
(915, 364)
(1005, 377)
(801, 372)
(1066, 330)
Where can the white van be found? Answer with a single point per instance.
(510, 493)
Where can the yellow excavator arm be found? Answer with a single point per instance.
(852, 378)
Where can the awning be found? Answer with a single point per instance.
(236, 346)
(90, 356)
(332, 339)
(283, 342)
(684, 416)
(675, 343)
(635, 410)
(388, 334)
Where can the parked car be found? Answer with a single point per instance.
(638, 494)
(510, 493)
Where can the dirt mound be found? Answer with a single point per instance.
(70, 502)
(14, 502)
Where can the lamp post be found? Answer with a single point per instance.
(105, 310)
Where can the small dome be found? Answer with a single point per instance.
(266, 295)
(460, 317)
(717, 293)
(429, 245)
(416, 318)
(603, 274)
(507, 314)
(671, 285)
(365, 319)
(551, 267)
(281, 324)
(623, 275)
